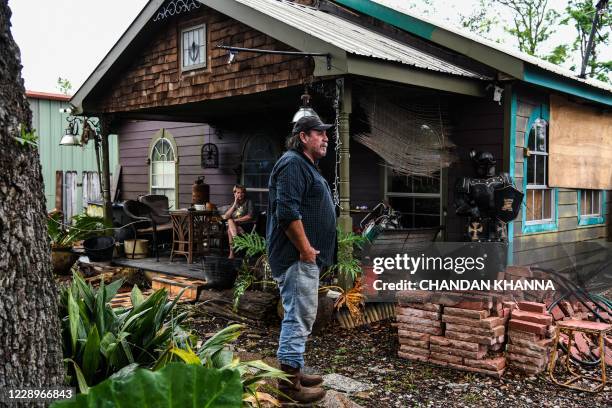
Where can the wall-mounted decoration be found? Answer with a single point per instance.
(210, 156)
(176, 7)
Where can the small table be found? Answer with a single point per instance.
(193, 233)
(568, 327)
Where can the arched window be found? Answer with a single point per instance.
(163, 169)
(258, 159)
(539, 198)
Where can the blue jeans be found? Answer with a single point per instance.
(299, 288)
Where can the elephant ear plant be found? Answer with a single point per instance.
(212, 376)
(99, 341)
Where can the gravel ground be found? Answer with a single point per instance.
(369, 354)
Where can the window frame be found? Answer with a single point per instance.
(591, 219)
(439, 195)
(276, 152)
(201, 65)
(164, 134)
(542, 225)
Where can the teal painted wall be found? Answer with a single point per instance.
(50, 125)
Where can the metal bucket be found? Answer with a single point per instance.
(136, 248)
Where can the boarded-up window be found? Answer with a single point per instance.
(580, 146)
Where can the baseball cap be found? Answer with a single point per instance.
(309, 123)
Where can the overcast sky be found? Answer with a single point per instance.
(69, 38)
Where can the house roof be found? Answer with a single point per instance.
(311, 30)
(353, 38)
(503, 58)
(48, 96)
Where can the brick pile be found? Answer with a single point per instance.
(530, 332)
(416, 323)
(455, 332)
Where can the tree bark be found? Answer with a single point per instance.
(30, 347)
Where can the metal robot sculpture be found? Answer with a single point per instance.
(489, 201)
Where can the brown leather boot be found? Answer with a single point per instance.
(310, 380)
(295, 391)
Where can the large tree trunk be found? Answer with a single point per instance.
(30, 348)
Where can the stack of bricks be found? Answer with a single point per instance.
(453, 332)
(416, 324)
(474, 333)
(529, 337)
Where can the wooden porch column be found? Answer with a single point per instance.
(343, 86)
(104, 132)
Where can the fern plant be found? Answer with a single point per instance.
(255, 266)
(347, 268)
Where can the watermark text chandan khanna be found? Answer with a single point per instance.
(464, 284)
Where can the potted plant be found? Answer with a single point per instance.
(63, 237)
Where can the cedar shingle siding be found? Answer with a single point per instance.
(155, 77)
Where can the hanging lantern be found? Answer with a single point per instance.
(210, 156)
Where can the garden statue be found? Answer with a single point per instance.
(489, 201)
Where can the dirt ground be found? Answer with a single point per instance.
(369, 354)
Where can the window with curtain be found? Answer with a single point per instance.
(417, 198)
(258, 159)
(163, 170)
(539, 198)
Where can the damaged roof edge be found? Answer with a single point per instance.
(519, 65)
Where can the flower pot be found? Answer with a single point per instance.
(62, 260)
(99, 249)
(136, 248)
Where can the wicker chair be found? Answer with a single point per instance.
(152, 221)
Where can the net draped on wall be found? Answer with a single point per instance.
(411, 137)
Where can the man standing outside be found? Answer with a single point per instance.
(301, 239)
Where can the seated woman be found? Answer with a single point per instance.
(240, 216)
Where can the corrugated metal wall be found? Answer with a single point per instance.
(50, 125)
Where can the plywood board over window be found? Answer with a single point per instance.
(580, 148)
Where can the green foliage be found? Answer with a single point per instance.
(64, 85)
(215, 354)
(580, 14)
(27, 138)
(255, 267)
(253, 244)
(176, 385)
(83, 227)
(348, 268)
(99, 341)
(534, 23)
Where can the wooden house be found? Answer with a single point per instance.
(170, 90)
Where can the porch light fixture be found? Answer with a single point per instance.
(91, 130)
(305, 110)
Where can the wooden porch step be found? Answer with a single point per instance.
(175, 284)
